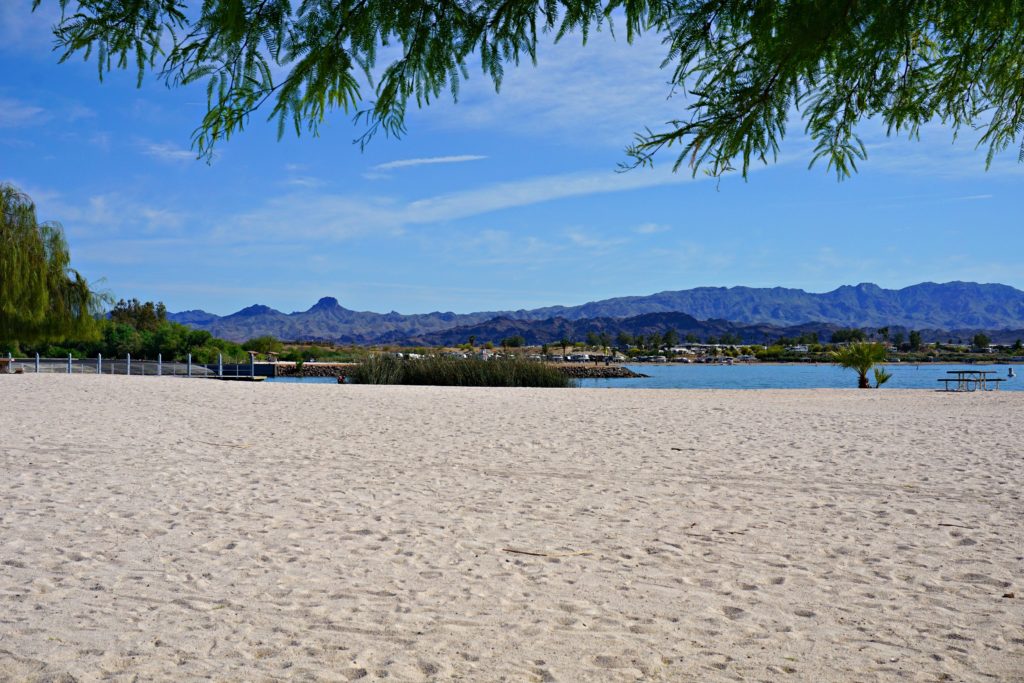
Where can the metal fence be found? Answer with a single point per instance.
(131, 366)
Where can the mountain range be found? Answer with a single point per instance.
(752, 313)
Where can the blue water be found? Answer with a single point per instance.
(756, 376)
(796, 376)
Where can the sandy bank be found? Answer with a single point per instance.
(173, 529)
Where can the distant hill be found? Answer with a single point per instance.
(927, 306)
(553, 329)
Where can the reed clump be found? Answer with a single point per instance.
(458, 372)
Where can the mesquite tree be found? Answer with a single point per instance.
(745, 66)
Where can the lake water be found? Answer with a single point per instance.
(794, 376)
(767, 376)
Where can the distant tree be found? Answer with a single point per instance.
(1018, 345)
(623, 340)
(593, 340)
(981, 341)
(860, 357)
(671, 338)
(264, 344)
(915, 340)
(142, 316)
(691, 338)
(845, 335)
(655, 341)
(472, 341)
(41, 297)
(897, 339)
(515, 341)
(883, 332)
(606, 340)
(544, 349)
(565, 343)
(731, 338)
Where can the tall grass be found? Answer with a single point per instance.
(458, 372)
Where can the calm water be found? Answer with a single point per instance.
(797, 376)
(904, 376)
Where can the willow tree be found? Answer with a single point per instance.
(746, 66)
(41, 297)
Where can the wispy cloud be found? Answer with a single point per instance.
(650, 228)
(22, 29)
(339, 217)
(14, 113)
(165, 151)
(304, 181)
(598, 94)
(585, 240)
(407, 163)
(534, 191)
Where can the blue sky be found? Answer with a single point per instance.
(497, 202)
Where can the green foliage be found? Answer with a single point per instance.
(745, 65)
(463, 372)
(264, 344)
(515, 341)
(860, 357)
(915, 340)
(981, 341)
(881, 377)
(41, 297)
(142, 316)
(848, 335)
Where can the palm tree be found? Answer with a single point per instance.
(860, 356)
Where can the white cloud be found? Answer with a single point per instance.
(304, 181)
(14, 113)
(330, 216)
(600, 93)
(166, 151)
(407, 163)
(650, 228)
(534, 191)
(23, 30)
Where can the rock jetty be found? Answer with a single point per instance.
(583, 371)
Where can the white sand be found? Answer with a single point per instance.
(175, 529)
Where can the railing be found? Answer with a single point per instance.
(134, 366)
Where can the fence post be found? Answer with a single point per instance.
(37, 362)
(220, 364)
(10, 363)
(252, 365)
(69, 363)
(99, 363)
(128, 365)
(190, 365)
(159, 364)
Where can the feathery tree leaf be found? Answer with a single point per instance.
(747, 66)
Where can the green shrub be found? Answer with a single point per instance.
(458, 372)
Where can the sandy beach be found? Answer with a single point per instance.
(174, 529)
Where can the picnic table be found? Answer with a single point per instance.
(971, 380)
